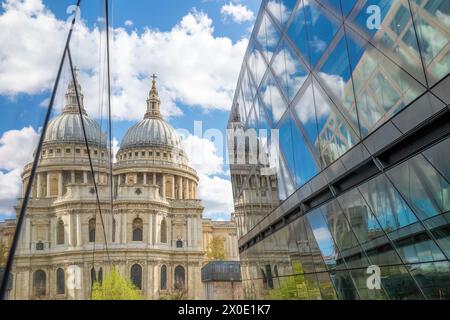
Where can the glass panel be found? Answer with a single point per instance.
(360, 281)
(376, 245)
(285, 184)
(343, 235)
(335, 135)
(438, 156)
(298, 34)
(322, 27)
(305, 112)
(423, 188)
(323, 238)
(336, 76)
(267, 36)
(433, 279)
(387, 205)
(257, 65)
(290, 72)
(398, 283)
(344, 285)
(439, 226)
(382, 88)
(281, 9)
(433, 24)
(393, 33)
(273, 101)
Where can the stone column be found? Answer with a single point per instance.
(173, 187)
(124, 228)
(38, 185)
(60, 184)
(27, 237)
(85, 179)
(72, 176)
(48, 185)
(163, 186)
(145, 177)
(150, 229)
(180, 187)
(154, 178)
(79, 241)
(189, 232)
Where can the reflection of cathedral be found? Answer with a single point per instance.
(155, 236)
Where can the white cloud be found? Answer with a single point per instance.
(214, 191)
(182, 58)
(128, 23)
(239, 13)
(202, 154)
(216, 195)
(16, 150)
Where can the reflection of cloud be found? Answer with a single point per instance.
(317, 44)
(274, 101)
(279, 10)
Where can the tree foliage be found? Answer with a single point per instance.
(216, 249)
(115, 287)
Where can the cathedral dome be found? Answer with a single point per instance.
(67, 127)
(152, 131)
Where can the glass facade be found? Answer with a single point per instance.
(349, 172)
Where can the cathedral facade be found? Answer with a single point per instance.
(149, 225)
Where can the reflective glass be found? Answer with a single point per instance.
(393, 33)
(432, 279)
(298, 34)
(438, 156)
(344, 285)
(305, 164)
(290, 72)
(257, 65)
(272, 99)
(322, 27)
(432, 20)
(439, 226)
(387, 205)
(335, 135)
(398, 283)
(344, 236)
(305, 113)
(267, 36)
(422, 187)
(281, 9)
(323, 238)
(381, 87)
(339, 7)
(336, 78)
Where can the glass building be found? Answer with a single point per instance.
(339, 151)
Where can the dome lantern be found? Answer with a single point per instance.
(153, 102)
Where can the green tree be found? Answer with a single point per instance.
(115, 287)
(216, 249)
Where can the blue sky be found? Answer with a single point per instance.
(195, 47)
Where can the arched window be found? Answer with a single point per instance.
(163, 231)
(137, 229)
(39, 283)
(163, 277)
(136, 276)
(60, 281)
(92, 224)
(179, 278)
(114, 230)
(93, 276)
(60, 232)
